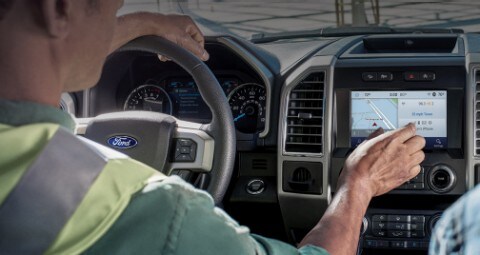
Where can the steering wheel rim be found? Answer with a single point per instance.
(221, 128)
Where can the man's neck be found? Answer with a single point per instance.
(27, 69)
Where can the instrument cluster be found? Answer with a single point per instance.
(180, 97)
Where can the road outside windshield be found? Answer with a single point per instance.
(245, 18)
(390, 110)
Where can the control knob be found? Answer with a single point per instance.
(441, 178)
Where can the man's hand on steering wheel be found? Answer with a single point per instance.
(179, 29)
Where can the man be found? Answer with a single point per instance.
(51, 46)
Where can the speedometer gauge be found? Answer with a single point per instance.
(149, 98)
(247, 102)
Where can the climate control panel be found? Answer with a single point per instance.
(398, 229)
(398, 226)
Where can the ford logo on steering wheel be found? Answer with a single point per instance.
(122, 142)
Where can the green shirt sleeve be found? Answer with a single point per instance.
(272, 246)
(172, 217)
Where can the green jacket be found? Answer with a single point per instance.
(124, 212)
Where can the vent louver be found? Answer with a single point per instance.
(259, 164)
(305, 116)
(477, 113)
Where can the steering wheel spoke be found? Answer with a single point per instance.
(192, 149)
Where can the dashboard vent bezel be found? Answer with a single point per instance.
(298, 148)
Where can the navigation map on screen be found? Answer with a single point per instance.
(371, 110)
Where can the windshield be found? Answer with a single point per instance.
(247, 18)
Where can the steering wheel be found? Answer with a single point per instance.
(168, 144)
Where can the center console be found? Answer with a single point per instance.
(432, 97)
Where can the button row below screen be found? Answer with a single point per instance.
(395, 244)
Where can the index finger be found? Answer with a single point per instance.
(376, 133)
(190, 44)
(405, 133)
(196, 34)
(198, 37)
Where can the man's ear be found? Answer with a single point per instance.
(56, 17)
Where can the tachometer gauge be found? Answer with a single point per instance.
(248, 107)
(149, 98)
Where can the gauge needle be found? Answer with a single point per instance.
(239, 117)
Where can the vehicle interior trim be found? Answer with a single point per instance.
(68, 104)
(261, 69)
(473, 66)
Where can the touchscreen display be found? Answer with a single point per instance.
(371, 110)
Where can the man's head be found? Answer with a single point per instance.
(67, 40)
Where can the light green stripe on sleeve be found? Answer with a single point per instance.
(102, 205)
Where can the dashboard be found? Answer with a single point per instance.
(302, 106)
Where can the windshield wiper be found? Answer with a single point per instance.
(348, 31)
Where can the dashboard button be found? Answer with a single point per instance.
(379, 233)
(413, 245)
(379, 217)
(398, 226)
(370, 76)
(417, 226)
(385, 76)
(399, 234)
(411, 76)
(416, 186)
(379, 225)
(441, 179)
(255, 186)
(417, 234)
(370, 244)
(417, 219)
(398, 244)
(398, 218)
(426, 76)
(418, 179)
(383, 244)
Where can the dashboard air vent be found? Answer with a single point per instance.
(305, 115)
(259, 164)
(477, 113)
